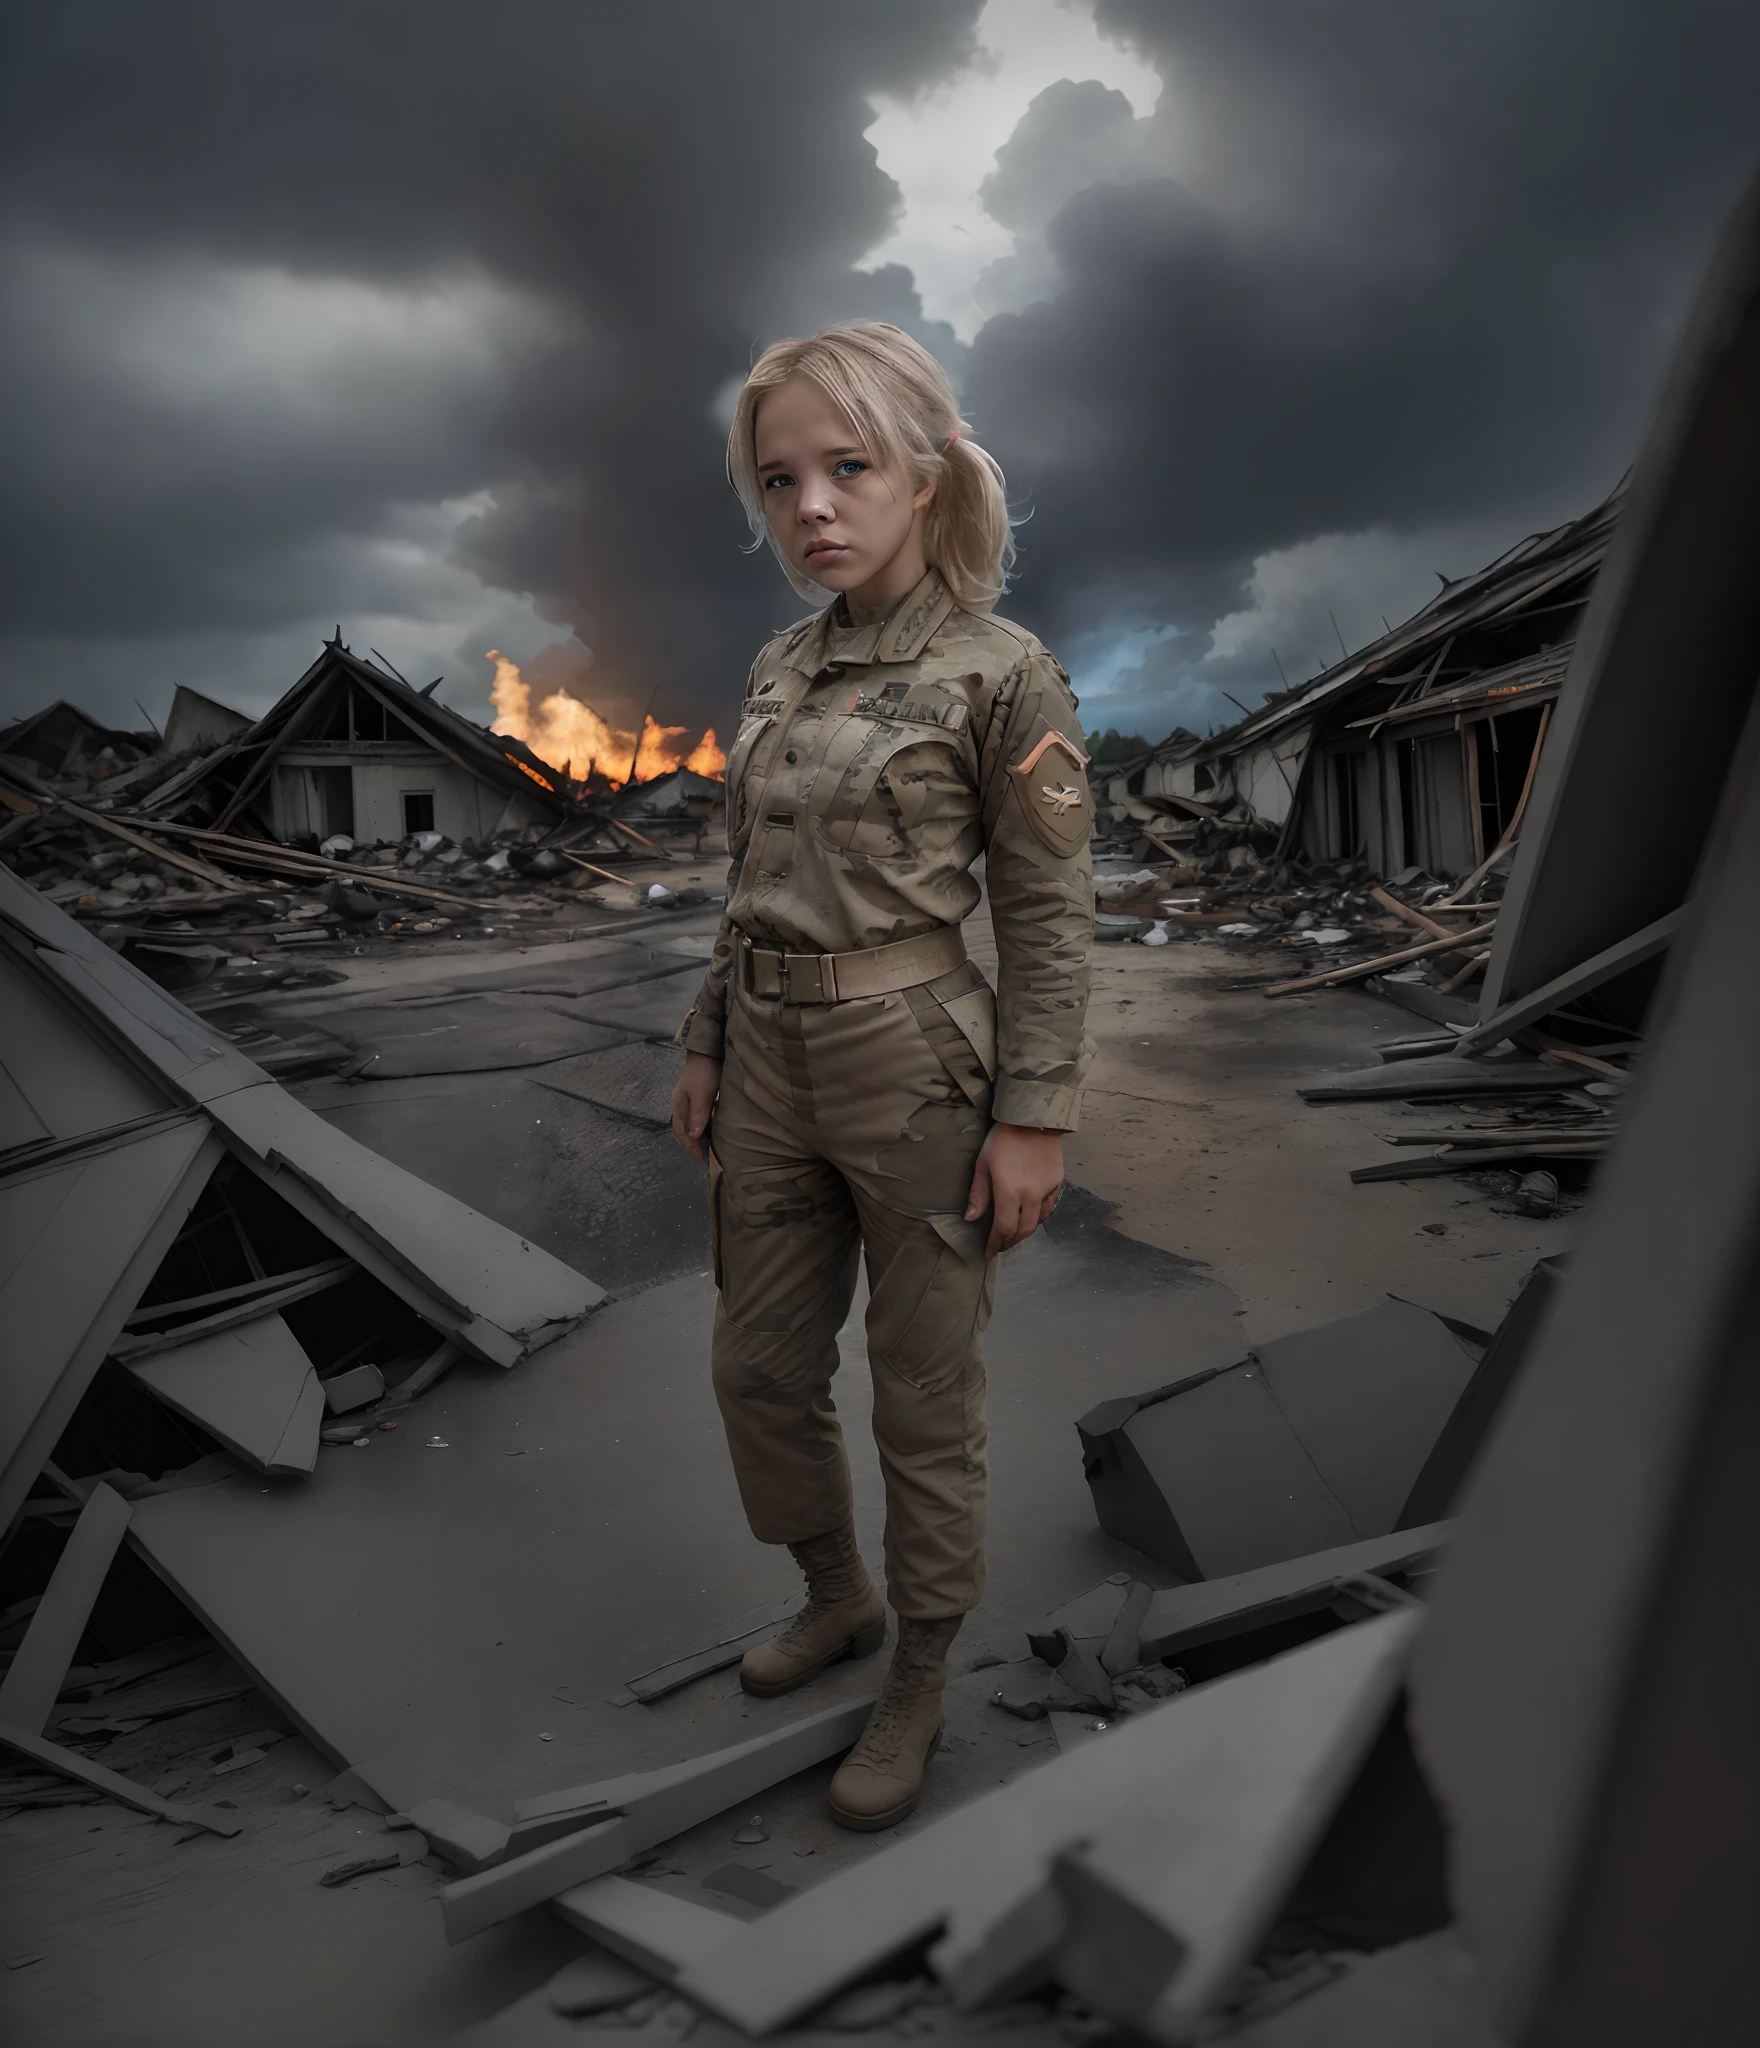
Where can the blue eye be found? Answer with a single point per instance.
(776, 481)
(849, 466)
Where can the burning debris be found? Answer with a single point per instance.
(572, 736)
(247, 855)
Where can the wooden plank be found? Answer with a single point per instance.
(1511, 831)
(1464, 974)
(617, 825)
(1576, 981)
(318, 1281)
(1471, 1160)
(33, 1684)
(666, 1678)
(1413, 915)
(1441, 1075)
(69, 1763)
(290, 860)
(246, 1290)
(1337, 975)
(588, 1831)
(293, 726)
(143, 844)
(623, 881)
(1161, 845)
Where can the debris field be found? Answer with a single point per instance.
(371, 1549)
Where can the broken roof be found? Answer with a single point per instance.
(506, 763)
(116, 1104)
(1535, 568)
(50, 740)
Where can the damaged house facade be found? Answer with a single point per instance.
(1418, 751)
(353, 751)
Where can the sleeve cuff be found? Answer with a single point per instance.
(701, 1033)
(1040, 1105)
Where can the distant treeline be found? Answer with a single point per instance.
(1115, 746)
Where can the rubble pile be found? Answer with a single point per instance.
(1526, 1119)
(186, 904)
(1427, 1714)
(228, 842)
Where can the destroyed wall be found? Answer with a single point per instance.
(384, 794)
(197, 722)
(1413, 753)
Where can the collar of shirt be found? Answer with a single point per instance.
(901, 636)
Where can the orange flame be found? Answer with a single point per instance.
(708, 758)
(568, 734)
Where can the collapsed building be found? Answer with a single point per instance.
(353, 751)
(1418, 751)
(357, 808)
(1442, 1735)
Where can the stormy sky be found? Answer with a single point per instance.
(424, 318)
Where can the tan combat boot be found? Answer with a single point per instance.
(881, 1779)
(844, 1617)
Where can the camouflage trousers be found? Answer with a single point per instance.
(842, 1132)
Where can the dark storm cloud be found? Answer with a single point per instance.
(328, 311)
(1370, 265)
(283, 279)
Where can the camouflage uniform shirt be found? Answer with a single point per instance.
(872, 766)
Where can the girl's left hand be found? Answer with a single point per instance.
(1019, 1176)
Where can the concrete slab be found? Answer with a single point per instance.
(598, 1190)
(581, 1522)
(1420, 1994)
(465, 1034)
(635, 1080)
(248, 1388)
(982, 1878)
(644, 1009)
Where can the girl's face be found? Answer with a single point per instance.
(837, 513)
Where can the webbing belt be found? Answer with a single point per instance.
(843, 977)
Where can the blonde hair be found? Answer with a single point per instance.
(897, 397)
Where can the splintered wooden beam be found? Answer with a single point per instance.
(1576, 981)
(142, 844)
(68, 1763)
(1413, 915)
(622, 881)
(293, 860)
(33, 1681)
(1336, 975)
(617, 825)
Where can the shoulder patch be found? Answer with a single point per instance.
(1053, 792)
(1044, 745)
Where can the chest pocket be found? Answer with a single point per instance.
(747, 764)
(904, 778)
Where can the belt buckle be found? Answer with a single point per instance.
(809, 978)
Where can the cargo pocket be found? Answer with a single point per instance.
(944, 1305)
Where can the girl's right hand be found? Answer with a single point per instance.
(693, 1100)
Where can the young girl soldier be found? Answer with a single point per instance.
(860, 1089)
